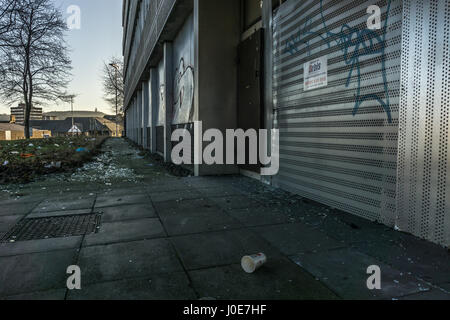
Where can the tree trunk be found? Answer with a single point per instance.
(27, 120)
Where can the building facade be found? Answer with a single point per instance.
(12, 132)
(359, 91)
(80, 126)
(18, 113)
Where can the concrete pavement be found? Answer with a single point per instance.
(163, 237)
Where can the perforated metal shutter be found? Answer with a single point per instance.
(338, 144)
(424, 144)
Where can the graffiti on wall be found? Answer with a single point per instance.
(162, 105)
(183, 93)
(354, 44)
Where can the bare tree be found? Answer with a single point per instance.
(35, 61)
(7, 18)
(111, 69)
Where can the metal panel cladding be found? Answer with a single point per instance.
(424, 145)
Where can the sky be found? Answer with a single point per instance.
(98, 39)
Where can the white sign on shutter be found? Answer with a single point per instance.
(316, 73)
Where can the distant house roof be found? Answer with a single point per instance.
(63, 115)
(64, 126)
(113, 117)
(111, 125)
(11, 127)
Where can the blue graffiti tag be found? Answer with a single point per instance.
(354, 44)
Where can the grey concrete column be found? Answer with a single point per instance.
(216, 39)
(146, 112)
(134, 120)
(168, 98)
(154, 91)
(139, 116)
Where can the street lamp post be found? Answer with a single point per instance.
(116, 67)
(71, 107)
(66, 98)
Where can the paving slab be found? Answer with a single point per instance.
(50, 295)
(219, 248)
(173, 286)
(206, 182)
(128, 260)
(235, 202)
(38, 215)
(127, 212)
(24, 197)
(260, 216)
(279, 279)
(296, 238)
(222, 191)
(352, 230)
(186, 206)
(165, 184)
(17, 208)
(445, 286)
(39, 246)
(121, 191)
(35, 272)
(121, 200)
(196, 222)
(433, 295)
(408, 256)
(123, 231)
(54, 205)
(7, 222)
(345, 272)
(175, 195)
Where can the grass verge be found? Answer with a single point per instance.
(22, 161)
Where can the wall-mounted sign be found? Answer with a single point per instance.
(316, 73)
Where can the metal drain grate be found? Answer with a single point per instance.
(53, 227)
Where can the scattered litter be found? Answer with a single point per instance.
(57, 165)
(252, 263)
(5, 163)
(81, 150)
(26, 155)
(104, 169)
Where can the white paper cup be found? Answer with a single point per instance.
(252, 263)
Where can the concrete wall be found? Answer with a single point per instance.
(20, 135)
(183, 63)
(217, 34)
(161, 106)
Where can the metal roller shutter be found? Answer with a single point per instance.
(338, 143)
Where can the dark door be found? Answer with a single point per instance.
(250, 109)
